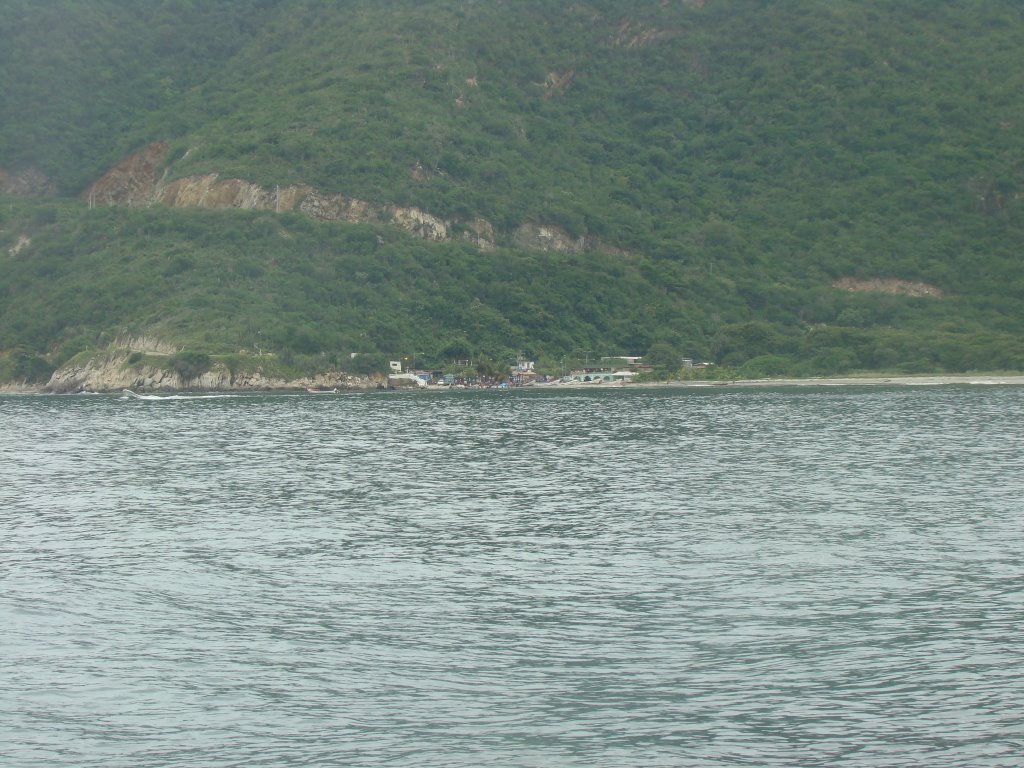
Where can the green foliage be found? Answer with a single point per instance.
(190, 365)
(80, 83)
(767, 366)
(23, 365)
(732, 160)
(68, 349)
(367, 364)
(663, 358)
(491, 370)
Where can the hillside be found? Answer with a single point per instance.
(807, 187)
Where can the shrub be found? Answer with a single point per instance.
(189, 365)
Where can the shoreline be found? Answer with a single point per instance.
(857, 381)
(819, 381)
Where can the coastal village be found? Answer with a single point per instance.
(605, 371)
(147, 364)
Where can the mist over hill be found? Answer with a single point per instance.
(805, 187)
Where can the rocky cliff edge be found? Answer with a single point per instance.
(138, 181)
(112, 372)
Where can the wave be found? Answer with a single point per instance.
(136, 396)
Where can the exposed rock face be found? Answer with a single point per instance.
(480, 232)
(149, 345)
(109, 373)
(557, 83)
(130, 182)
(888, 285)
(420, 223)
(113, 373)
(541, 237)
(342, 208)
(21, 242)
(210, 192)
(30, 182)
(338, 208)
(135, 182)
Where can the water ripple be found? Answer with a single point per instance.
(702, 578)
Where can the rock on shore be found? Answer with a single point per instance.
(113, 373)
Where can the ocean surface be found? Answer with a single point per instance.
(702, 577)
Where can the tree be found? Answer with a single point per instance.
(663, 358)
(190, 365)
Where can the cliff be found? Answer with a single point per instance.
(137, 181)
(113, 371)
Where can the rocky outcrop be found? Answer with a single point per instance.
(112, 372)
(544, 237)
(480, 232)
(550, 237)
(339, 208)
(130, 182)
(107, 373)
(149, 345)
(21, 242)
(137, 181)
(31, 182)
(419, 222)
(210, 191)
(557, 83)
(888, 285)
(342, 208)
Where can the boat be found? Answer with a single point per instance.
(136, 396)
(397, 380)
(316, 391)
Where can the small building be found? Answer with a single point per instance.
(605, 376)
(630, 361)
(522, 373)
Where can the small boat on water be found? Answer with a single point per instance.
(402, 380)
(316, 391)
(136, 396)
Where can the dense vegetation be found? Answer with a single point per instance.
(737, 158)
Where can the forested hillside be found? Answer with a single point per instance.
(817, 186)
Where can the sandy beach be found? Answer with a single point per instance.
(838, 381)
(930, 380)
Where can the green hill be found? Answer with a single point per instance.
(818, 186)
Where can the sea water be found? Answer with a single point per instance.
(689, 577)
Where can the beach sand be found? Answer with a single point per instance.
(930, 380)
(837, 381)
